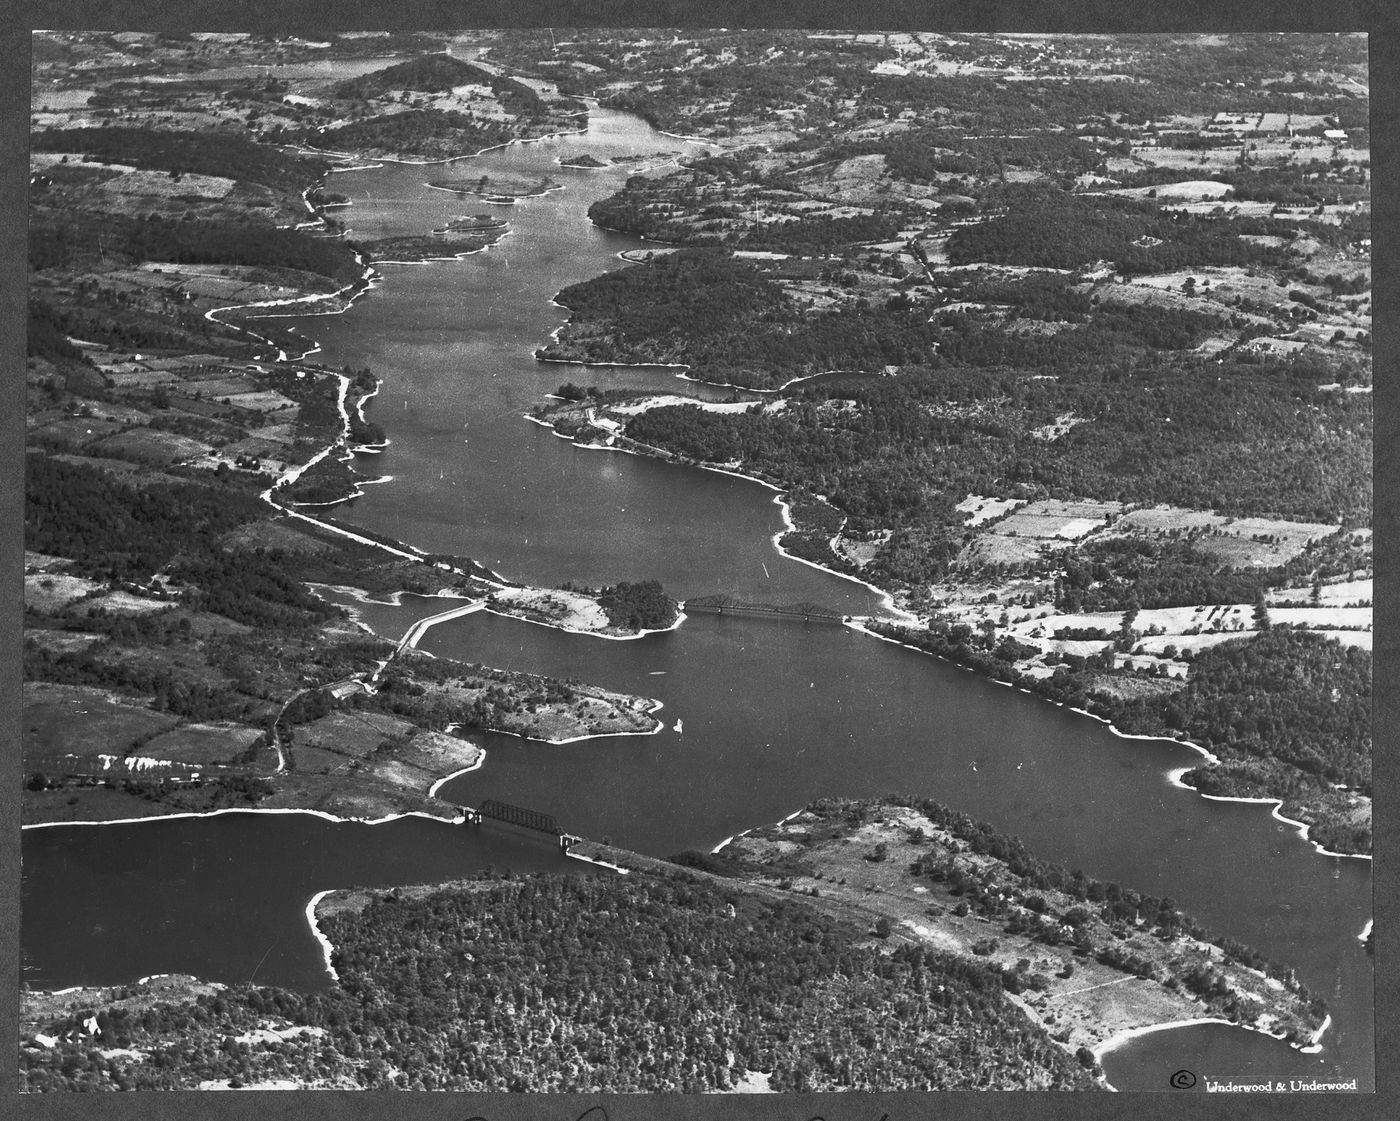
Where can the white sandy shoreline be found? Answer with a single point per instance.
(325, 943)
(1173, 775)
(322, 814)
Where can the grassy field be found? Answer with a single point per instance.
(83, 721)
(203, 743)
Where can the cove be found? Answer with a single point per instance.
(774, 713)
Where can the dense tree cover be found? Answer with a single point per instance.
(927, 155)
(69, 239)
(650, 984)
(46, 337)
(1111, 574)
(1111, 332)
(259, 589)
(1051, 297)
(570, 983)
(104, 317)
(183, 691)
(433, 73)
(122, 531)
(415, 129)
(1053, 229)
(731, 320)
(187, 152)
(635, 210)
(1287, 697)
(652, 312)
(640, 606)
(1241, 439)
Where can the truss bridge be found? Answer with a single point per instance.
(519, 815)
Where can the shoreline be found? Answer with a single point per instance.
(1173, 775)
(745, 832)
(1121, 1039)
(480, 762)
(322, 814)
(680, 618)
(382, 160)
(656, 706)
(435, 260)
(644, 451)
(571, 855)
(1302, 828)
(498, 200)
(325, 943)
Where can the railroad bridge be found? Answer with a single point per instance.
(728, 605)
(519, 815)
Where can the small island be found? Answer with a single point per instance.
(457, 238)
(585, 161)
(498, 186)
(623, 610)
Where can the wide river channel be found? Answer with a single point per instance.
(774, 714)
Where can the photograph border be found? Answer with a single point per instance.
(1382, 23)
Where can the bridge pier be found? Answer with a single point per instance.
(472, 817)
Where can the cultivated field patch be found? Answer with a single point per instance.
(348, 733)
(979, 508)
(1054, 520)
(152, 446)
(203, 743)
(1238, 542)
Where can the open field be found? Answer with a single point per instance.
(53, 591)
(349, 733)
(124, 603)
(151, 446)
(62, 642)
(1032, 529)
(554, 606)
(1238, 542)
(203, 743)
(77, 719)
(980, 508)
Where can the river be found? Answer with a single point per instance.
(774, 713)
